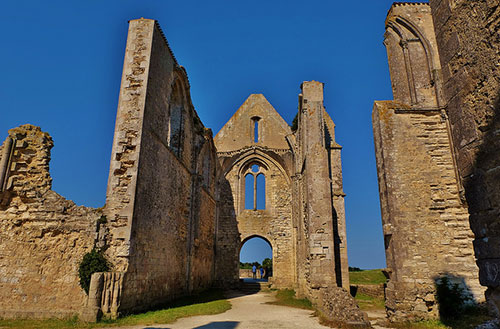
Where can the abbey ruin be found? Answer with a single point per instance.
(437, 153)
(175, 217)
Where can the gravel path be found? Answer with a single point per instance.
(247, 312)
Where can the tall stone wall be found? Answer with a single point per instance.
(43, 236)
(321, 237)
(425, 221)
(426, 230)
(161, 192)
(467, 38)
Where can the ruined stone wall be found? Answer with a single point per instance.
(426, 230)
(321, 217)
(43, 236)
(425, 221)
(161, 193)
(238, 150)
(227, 238)
(469, 46)
(304, 216)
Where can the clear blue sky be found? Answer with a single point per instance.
(62, 62)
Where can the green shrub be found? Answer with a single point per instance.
(450, 297)
(92, 262)
(102, 219)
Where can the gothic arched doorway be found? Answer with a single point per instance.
(256, 259)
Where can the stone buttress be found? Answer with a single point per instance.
(425, 220)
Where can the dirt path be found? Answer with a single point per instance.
(247, 312)
(377, 319)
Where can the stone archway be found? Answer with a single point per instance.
(273, 223)
(246, 273)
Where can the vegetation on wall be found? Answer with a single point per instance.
(451, 298)
(92, 262)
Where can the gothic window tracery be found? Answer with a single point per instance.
(255, 187)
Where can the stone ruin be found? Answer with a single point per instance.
(437, 151)
(175, 217)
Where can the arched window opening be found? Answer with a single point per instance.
(257, 252)
(255, 188)
(249, 191)
(176, 120)
(255, 121)
(260, 190)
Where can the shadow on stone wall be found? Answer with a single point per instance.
(482, 192)
(453, 297)
(227, 239)
(336, 245)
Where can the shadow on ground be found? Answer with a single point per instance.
(211, 325)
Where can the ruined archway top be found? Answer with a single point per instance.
(254, 235)
(255, 154)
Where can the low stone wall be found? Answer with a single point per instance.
(247, 273)
(372, 290)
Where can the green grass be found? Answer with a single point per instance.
(367, 277)
(210, 302)
(286, 297)
(366, 302)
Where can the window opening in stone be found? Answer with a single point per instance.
(256, 252)
(255, 168)
(255, 129)
(261, 192)
(249, 191)
(176, 120)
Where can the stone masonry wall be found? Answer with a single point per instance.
(238, 151)
(43, 236)
(425, 220)
(273, 223)
(426, 229)
(467, 35)
(322, 244)
(161, 195)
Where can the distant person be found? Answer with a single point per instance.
(261, 272)
(254, 271)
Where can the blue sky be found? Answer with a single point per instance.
(62, 62)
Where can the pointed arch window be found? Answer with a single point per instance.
(255, 189)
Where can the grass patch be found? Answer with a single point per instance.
(367, 277)
(366, 302)
(286, 297)
(207, 303)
